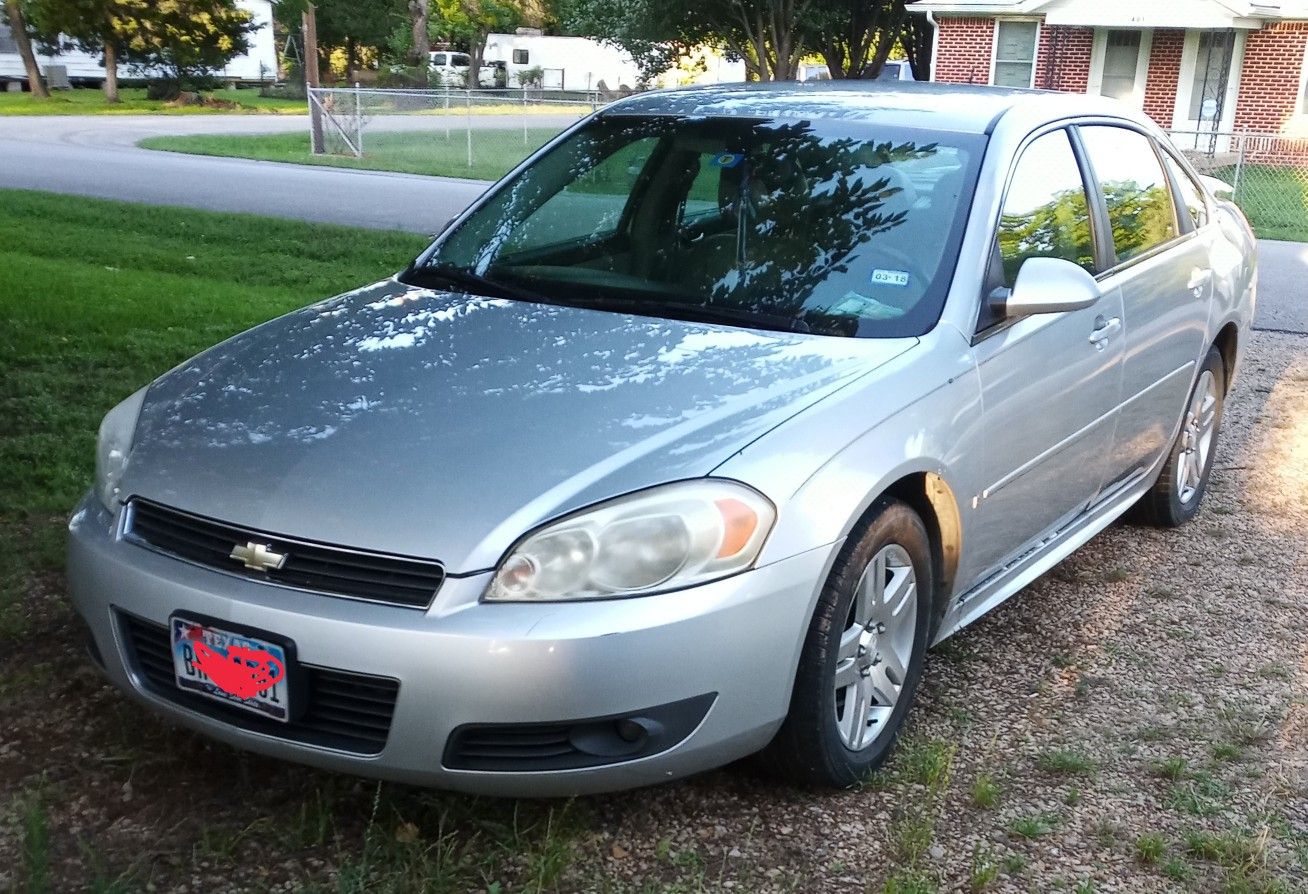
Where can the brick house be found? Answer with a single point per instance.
(1191, 65)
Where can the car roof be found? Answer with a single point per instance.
(961, 108)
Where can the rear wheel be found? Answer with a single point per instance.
(863, 656)
(1175, 497)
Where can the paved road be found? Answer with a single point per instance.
(1283, 287)
(98, 156)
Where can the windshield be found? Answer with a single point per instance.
(832, 227)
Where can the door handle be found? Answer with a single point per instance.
(1199, 278)
(1106, 329)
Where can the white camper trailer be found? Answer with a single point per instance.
(257, 65)
(566, 63)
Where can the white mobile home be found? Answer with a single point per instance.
(566, 63)
(259, 64)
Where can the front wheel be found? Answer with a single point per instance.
(863, 655)
(1175, 497)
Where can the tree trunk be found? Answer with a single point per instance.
(18, 29)
(351, 59)
(476, 52)
(420, 55)
(110, 72)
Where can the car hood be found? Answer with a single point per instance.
(445, 425)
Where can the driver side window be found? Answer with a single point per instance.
(1046, 213)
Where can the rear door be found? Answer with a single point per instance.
(1162, 267)
(1050, 382)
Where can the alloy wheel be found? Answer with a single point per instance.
(876, 647)
(1197, 438)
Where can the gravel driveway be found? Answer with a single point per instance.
(1135, 721)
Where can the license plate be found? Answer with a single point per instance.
(238, 670)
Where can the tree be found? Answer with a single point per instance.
(87, 25)
(469, 22)
(188, 39)
(855, 37)
(419, 53)
(770, 35)
(655, 42)
(18, 30)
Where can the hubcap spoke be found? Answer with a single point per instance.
(875, 647)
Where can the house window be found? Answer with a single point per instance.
(1015, 51)
(520, 57)
(1121, 63)
(7, 42)
(1212, 66)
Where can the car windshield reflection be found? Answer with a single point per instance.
(829, 227)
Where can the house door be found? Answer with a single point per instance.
(1206, 94)
(1120, 64)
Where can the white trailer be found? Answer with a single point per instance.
(256, 65)
(566, 63)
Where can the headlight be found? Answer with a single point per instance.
(113, 446)
(661, 539)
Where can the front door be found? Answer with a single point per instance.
(1050, 382)
(1204, 116)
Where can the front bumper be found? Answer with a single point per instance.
(462, 662)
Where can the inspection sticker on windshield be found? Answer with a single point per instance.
(727, 159)
(889, 278)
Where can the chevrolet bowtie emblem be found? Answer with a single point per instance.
(258, 556)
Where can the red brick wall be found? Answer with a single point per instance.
(1164, 75)
(963, 51)
(1269, 84)
(963, 54)
(1071, 70)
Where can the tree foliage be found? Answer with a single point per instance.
(772, 36)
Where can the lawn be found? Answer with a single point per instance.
(494, 151)
(1275, 199)
(85, 101)
(101, 297)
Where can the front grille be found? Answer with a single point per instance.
(341, 710)
(309, 566)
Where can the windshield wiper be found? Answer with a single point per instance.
(448, 274)
(700, 313)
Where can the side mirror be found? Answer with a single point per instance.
(1047, 286)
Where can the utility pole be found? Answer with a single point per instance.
(310, 29)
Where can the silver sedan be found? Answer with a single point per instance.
(684, 442)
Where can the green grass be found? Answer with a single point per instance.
(100, 297)
(494, 151)
(1067, 762)
(85, 101)
(1275, 199)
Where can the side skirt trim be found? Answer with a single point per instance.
(1044, 555)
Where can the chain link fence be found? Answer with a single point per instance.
(1267, 172)
(447, 131)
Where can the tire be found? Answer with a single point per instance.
(1175, 497)
(821, 742)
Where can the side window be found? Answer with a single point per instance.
(1046, 213)
(1135, 189)
(591, 206)
(520, 57)
(437, 58)
(1191, 198)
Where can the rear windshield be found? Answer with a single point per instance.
(828, 226)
